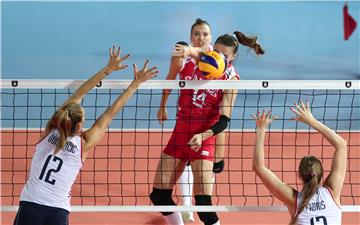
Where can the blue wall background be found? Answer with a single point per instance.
(70, 40)
(48, 40)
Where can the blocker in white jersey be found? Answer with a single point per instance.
(51, 176)
(321, 209)
(316, 203)
(63, 146)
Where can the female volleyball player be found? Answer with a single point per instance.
(63, 147)
(315, 204)
(201, 116)
(200, 36)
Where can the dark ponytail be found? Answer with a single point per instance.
(311, 172)
(240, 38)
(250, 42)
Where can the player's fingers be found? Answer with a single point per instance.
(145, 65)
(113, 50)
(135, 69)
(268, 115)
(124, 58)
(298, 107)
(123, 66)
(302, 104)
(253, 116)
(294, 110)
(263, 114)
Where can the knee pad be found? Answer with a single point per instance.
(208, 218)
(162, 197)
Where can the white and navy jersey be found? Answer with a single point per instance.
(51, 176)
(321, 209)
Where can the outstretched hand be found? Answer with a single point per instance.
(140, 76)
(303, 112)
(115, 61)
(181, 51)
(263, 119)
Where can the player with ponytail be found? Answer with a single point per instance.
(315, 203)
(201, 117)
(63, 147)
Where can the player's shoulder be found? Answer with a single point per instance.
(187, 68)
(231, 73)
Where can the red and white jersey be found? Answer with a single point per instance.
(51, 176)
(202, 104)
(188, 67)
(321, 209)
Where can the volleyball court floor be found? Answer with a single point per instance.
(123, 166)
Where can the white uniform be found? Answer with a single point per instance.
(51, 176)
(321, 209)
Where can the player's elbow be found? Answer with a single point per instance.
(341, 145)
(257, 167)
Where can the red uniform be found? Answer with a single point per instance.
(198, 110)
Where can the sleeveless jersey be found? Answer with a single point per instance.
(203, 103)
(51, 176)
(321, 209)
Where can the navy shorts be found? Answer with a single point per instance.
(30, 213)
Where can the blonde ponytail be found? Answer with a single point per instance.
(65, 121)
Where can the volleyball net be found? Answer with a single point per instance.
(118, 174)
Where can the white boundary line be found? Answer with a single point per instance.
(77, 208)
(22, 129)
(191, 84)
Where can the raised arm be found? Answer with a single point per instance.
(335, 179)
(114, 64)
(281, 190)
(97, 131)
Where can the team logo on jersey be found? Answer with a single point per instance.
(205, 153)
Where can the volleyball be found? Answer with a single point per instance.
(212, 64)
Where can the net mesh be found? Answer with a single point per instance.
(120, 170)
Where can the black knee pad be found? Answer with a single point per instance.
(208, 218)
(162, 197)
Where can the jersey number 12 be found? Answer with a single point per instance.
(49, 171)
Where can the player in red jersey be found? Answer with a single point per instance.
(200, 36)
(202, 114)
